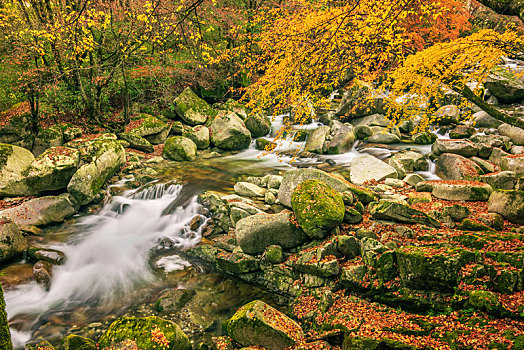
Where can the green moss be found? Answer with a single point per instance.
(76, 342)
(485, 301)
(5, 335)
(5, 152)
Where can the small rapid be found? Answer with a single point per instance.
(108, 255)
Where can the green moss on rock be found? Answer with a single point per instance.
(76, 342)
(5, 335)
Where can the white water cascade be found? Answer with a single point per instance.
(108, 257)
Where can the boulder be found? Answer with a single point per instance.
(51, 256)
(14, 161)
(503, 180)
(395, 211)
(76, 342)
(515, 134)
(143, 331)
(199, 135)
(316, 139)
(424, 138)
(457, 190)
(461, 147)
(461, 132)
(259, 324)
(484, 120)
(46, 138)
(248, 189)
(384, 138)
(258, 125)
(179, 148)
(43, 272)
(137, 142)
(107, 157)
(235, 106)
(454, 167)
(366, 167)
(292, 178)
(508, 203)
(342, 140)
(371, 120)
(53, 169)
(229, 132)
(151, 128)
(5, 334)
(12, 242)
(254, 233)
(318, 208)
(192, 109)
(449, 114)
(41, 211)
(505, 85)
(514, 163)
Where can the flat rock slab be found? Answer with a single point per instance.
(458, 190)
(366, 167)
(461, 147)
(41, 211)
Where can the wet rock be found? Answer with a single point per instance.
(461, 147)
(258, 125)
(456, 190)
(106, 158)
(514, 163)
(12, 242)
(449, 114)
(390, 210)
(259, 324)
(254, 233)
(191, 108)
(43, 272)
(174, 300)
(316, 139)
(341, 140)
(41, 211)
(14, 161)
(503, 180)
(366, 167)
(137, 142)
(229, 132)
(424, 138)
(505, 85)
(199, 135)
(141, 329)
(461, 132)
(76, 342)
(318, 208)
(236, 262)
(53, 169)
(455, 167)
(264, 145)
(508, 203)
(179, 148)
(249, 190)
(420, 163)
(484, 120)
(52, 256)
(516, 134)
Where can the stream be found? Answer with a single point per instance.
(127, 254)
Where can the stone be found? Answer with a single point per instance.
(140, 330)
(419, 197)
(258, 125)
(457, 212)
(464, 148)
(424, 138)
(274, 254)
(76, 342)
(137, 142)
(236, 262)
(461, 132)
(515, 134)
(154, 130)
(248, 189)
(484, 120)
(394, 211)
(43, 272)
(342, 140)
(179, 148)
(53, 169)
(506, 85)
(316, 139)
(419, 161)
(274, 181)
(383, 138)
(317, 207)
(514, 163)
(12, 242)
(237, 107)
(502, 180)
(257, 323)
(52, 256)
(362, 132)
(174, 300)
(5, 334)
(484, 300)
(352, 216)
(41, 211)
(449, 114)
(262, 144)
(199, 135)
(107, 158)
(46, 138)
(366, 168)
(397, 183)
(455, 167)
(348, 246)
(229, 132)
(457, 190)
(292, 178)
(191, 108)
(486, 166)
(254, 233)
(371, 120)
(14, 162)
(413, 179)
(509, 204)
(353, 276)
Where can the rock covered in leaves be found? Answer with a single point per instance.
(455, 167)
(257, 323)
(42, 211)
(317, 207)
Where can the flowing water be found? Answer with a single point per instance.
(110, 255)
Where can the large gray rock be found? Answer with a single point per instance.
(248, 189)
(254, 233)
(12, 242)
(292, 178)
(454, 167)
(506, 86)
(366, 167)
(316, 139)
(502, 180)
(456, 190)
(179, 148)
(342, 140)
(461, 147)
(14, 161)
(371, 120)
(514, 163)
(509, 204)
(53, 169)
(192, 109)
(484, 120)
(258, 125)
(384, 138)
(137, 142)
(106, 158)
(229, 132)
(391, 210)
(514, 133)
(199, 135)
(41, 211)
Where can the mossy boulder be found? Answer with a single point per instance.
(106, 158)
(199, 135)
(5, 335)
(257, 323)
(49, 137)
(14, 161)
(42, 211)
(424, 138)
(137, 142)
(76, 342)
(508, 203)
(53, 169)
(258, 125)
(316, 139)
(395, 211)
(487, 301)
(228, 132)
(154, 130)
(506, 85)
(12, 241)
(179, 148)
(318, 208)
(16, 126)
(142, 330)
(464, 148)
(192, 109)
(457, 190)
